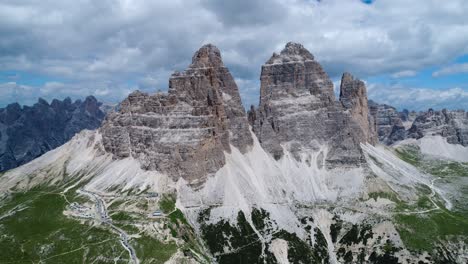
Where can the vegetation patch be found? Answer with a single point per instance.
(167, 203)
(150, 250)
(410, 154)
(422, 232)
(241, 244)
(232, 244)
(335, 228)
(357, 234)
(42, 233)
(122, 216)
(301, 252)
(437, 167)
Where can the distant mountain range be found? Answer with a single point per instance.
(394, 126)
(28, 132)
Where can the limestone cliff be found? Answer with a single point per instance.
(298, 111)
(185, 132)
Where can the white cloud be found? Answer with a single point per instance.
(27, 95)
(418, 98)
(99, 44)
(452, 69)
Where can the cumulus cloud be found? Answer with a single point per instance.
(118, 45)
(452, 69)
(418, 98)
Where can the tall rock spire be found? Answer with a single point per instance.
(183, 133)
(353, 97)
(298, 111)
(207, 56)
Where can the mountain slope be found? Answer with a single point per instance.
(181, 177)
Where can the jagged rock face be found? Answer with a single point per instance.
(394, 126)
(452, 125)
(298, 111)
(390, 127)
(28, 132)
(353, 96)
(185, 132)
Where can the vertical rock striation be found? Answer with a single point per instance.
(185, 132)
(353, 97)
(298, 111)
(390, 127)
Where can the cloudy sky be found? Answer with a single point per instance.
(412, 54)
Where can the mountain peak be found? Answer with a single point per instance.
(207, 56)
(292, 52)
(347, 77)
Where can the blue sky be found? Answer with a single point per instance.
(411, 54)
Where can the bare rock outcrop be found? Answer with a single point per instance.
(28, 132)
(453, 125)
(353, 97)
(390, 127)
(298, 111)
(185, 132)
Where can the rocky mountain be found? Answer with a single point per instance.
(389, 123)
(188, 176)
(28, 132)
(452, 125)
(298, 111)
(394, 126)
(185, 132)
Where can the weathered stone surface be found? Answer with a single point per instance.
(28, 132)
(394, 126)
(452, 125)
(353, 97)
(298, 111)
(185, 132)
(390, 127)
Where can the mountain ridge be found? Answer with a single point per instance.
(306, 182)
(29, 131)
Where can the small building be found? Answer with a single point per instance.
(157, 213)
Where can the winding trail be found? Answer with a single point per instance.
(105, 219)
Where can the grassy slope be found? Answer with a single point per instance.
(423, 231)
(42, 232)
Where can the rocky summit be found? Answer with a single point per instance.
(28, 132)
(188, 176)
(353, 97)
(185, 132)
(298, 111)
